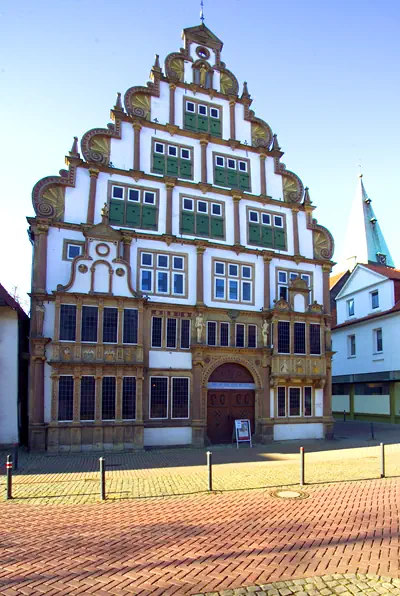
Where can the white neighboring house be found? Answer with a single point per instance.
(14, 331)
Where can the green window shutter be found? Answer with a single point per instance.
(279, 239)
(117, 212)
(267, 236)
(185, 168)
(149, 218)
(217, 227)
(202, 224)
(133, 214)
(215, 127)
(187, 222)
(254, 233)
(158, 164)
(220, 176)
(202, 123)
(172, 166)
(190, 121)
(232, 178)
(244, 181)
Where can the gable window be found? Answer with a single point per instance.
(233, 282)
(65, 397)
(351, 345)
(266, 229)
(72, 249)
(67, 322)
(163, 274)
(283, 337)
(378, 340)
(133, 206)
(202, 117)
(170, 159)
(232, 172)
(350, 307)
(202, 217)
(375, 299)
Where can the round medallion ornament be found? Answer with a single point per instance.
(82, 269)
(203, 53)
(120, 272)
(103, 250)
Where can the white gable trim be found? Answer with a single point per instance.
(376, 278)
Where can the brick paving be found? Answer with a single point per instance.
(205, 543)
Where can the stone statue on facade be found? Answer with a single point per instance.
(265, 332)
(199, 324)
(39, 313)
(328, 338)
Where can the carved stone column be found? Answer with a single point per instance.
(94, 174)
(203, 144)
(198, 422)
(267, 282)
(39, 281)
(327, 405)
(263, 180)
(37, 436)
(265, 425)
(172, 88)
(236, 220)
(326, 269)
(170, 183)
(200, 275)
(137, 127)
(232, 117)
(126, 244)
(296, 241)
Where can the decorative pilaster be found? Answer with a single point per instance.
(36, 402)
(126, 248)
(139, 396)
(99, 380)
(236, 220)
(120, 321)
(172, 88)
(170, 183)
(200, 275)
(267, 280)
(198, 422)
(118, 395)
(203, 144)
(232, 117)
(100, 321)
(296, 241)
(263, 180)
(76, 408)
(94, 174)
(326, 269)
(39, 281)
(137, 127)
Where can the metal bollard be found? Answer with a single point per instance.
(209, 466)
(102, 479)
(344, 415)
(382, 460)
(372, 431)
(302, 483)
(15, 456)
(9, 477)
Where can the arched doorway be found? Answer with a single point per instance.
(230, 396)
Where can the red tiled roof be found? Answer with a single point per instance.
(9, 301)
(383, 270)
(395, 308)
(333, 279)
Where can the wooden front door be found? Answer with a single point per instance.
(223, 408)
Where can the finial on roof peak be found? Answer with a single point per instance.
(118, 102)
(156, 65)
(74, 149)
(202, 12)
(245, 92)
(307, 199)
(275, 144)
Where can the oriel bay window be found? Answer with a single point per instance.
(299, 338)
(283, 337)
(68, 322)
(89, 324)
(202, 117)
(315, 338)
(162, 274)
(108, 398)
(294, 402)
(283, 279)
(170, 159)
(133, 206)
(266, 229)
(170, 333)
(232, 172)
(110, 325)
(88, 398)
(129, 398)
(233, 282)
(161, 389)
(130, 327)
(202, 217)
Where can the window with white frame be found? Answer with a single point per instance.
(294, 402)
(162, 274)
(266, 229)
(378, 340)
(233, 282)
(133, 206)
(202, 217)
(180, 397)
(351, 345)
(350, 307)
(285, 276)
(375, 299)
(232, 172)
(202, 117)
(170, 159)
(160, 390)
(158, 397)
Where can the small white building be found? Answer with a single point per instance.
(14, 331)
(366, 363)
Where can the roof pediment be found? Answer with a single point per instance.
(360, 279)
(103, 231)
(202, 35)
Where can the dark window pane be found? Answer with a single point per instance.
(156, 333)
(284, 337)
(211, 333)
(307, 401)
(240, 336)
(180, 398)
(65, 398)
(110, 325)
(315, 339)
(294, 401)
(88, 398)
(281, 401)
(224, 331)
(68, 322)
(171, 333)
(108, 398)
(89, 323)
(252, 334)
(129, 398)
(158, 397)
(299, 338)
(185, 333)
(130, 326)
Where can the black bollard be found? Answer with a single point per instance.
(15, 456)
(209, 466)
(372, 431)
(382, 460)
(344, 415)
(102, 479)
(302, 482)
(9, 477)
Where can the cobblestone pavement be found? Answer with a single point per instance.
(204, 543)
(347, 584)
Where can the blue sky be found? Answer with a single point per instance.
(325, 77)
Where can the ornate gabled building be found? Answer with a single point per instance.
(180, 280)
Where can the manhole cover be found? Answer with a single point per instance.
(289, 494)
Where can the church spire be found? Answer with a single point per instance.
(364, 242)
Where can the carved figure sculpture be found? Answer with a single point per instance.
(199, 324)
(265, 332)
(203, 73)
(328, 338)
(39, 318)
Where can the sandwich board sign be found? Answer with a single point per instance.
(243, 432)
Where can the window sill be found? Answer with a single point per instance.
(349, 357)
